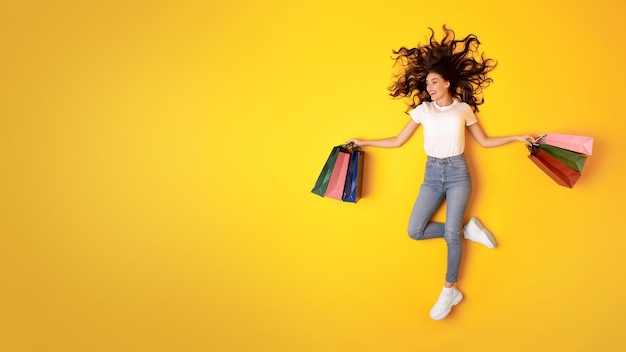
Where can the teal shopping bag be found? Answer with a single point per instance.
(324, 177)
(574, 160)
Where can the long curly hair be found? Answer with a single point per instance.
(457, 61)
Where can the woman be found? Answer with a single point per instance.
(442, 81)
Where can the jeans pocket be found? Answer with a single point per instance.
(459, 164)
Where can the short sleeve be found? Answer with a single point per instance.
(418, 113)
(469, 116)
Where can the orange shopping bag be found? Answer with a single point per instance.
(558, 171)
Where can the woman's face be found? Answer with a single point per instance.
(436, 86)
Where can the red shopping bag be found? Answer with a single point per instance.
(575, 143)
(338, 176)
(558, 171)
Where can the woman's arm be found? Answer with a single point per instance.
(391, 142)
(488, 142)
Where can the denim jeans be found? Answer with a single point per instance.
(449, 179)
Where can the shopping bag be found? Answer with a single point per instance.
(572, 159)
(575, 143)
(354, 177)
(337, 180)
(324, 177)
(558, 171)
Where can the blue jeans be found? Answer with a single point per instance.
(449, 179)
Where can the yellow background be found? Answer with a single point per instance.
(157, 160)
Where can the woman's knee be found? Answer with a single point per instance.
(453, 234)
(416, 233)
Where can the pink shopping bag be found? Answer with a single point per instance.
(338, 176)
(579, 144)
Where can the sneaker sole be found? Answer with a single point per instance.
(488, 233)
(445, 313)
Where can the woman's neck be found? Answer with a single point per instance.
(445, 101)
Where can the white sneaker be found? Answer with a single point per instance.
(447, 299)
(475, 231)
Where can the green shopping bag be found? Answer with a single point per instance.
(322, 180)
(574, 160)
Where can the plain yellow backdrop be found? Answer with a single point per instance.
(157, 159)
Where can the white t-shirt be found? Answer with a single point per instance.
(444, 127)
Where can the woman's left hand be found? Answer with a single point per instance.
(526, 138)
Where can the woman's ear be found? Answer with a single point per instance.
(447, 84)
